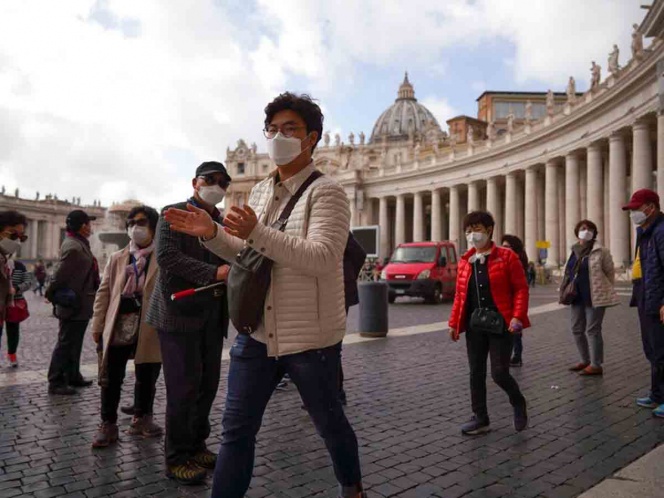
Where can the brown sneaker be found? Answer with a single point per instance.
(144, 426)
(107, 434)
(578, 367)
(589, 370)
(205, 459)
(187, 474)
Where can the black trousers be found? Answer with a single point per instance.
(192, 367)
(652, 336)
(498, 348)
(12, 336)
(144, 389)
(66, 359)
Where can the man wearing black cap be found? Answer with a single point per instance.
(191, 330)
(648, 289)
(72, 292)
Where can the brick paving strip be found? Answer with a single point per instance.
(408, 395)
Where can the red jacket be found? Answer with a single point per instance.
(507, 281)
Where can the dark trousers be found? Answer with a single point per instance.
(192, 367)
(144, 389)
(517, 345)
(252, 378)
(66, 359)
(40, 287)
(499, 347)
(12, 337)
(652, 335)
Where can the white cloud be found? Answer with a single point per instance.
(441, 109)
(119, 98)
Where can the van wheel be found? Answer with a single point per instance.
(391, 298)
(437, 296)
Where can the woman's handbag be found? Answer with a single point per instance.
(17, 312)
(485, 320)
(125, 330)
(251, 273)
(568, 288)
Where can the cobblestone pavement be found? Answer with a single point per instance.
(407, 399)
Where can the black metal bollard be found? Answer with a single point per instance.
(373, 320)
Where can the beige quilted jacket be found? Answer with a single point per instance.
(602, 277)
(304, 308)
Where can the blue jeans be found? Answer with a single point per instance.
(252, 378)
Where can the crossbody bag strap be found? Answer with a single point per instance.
(285, 214)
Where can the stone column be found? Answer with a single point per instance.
(618, 220)
(641, 156)
(400, 221)
(34, 236)
(493, 206)
(418, 218)
(531, 213)
(384, 222)
(455, 222)
(572, 211)
(436, 216)
(660, 155)
(595, 186)
(510, 203)
(551, 227)
(473, 196)
(353, 209)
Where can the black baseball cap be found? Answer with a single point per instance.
(77, 218)
(210, 167)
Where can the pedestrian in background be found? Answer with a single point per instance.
(191, 331)
(12, 234)
(17, 312)
(490, 304)
(40, 277)
(590, 275)
(72, 292)
(121, 333)
(648, 289)
(513, 242)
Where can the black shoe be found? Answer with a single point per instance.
(127, 409)
(62, 390)
(81, 383)
(282, 386)
(475, 426)
(520, 417)
(516, 362)
(188, 473)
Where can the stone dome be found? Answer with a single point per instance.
(406, 116)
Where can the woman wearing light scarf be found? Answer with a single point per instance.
(119, 329)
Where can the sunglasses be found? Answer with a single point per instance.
(143, 222)
(222, 182)
(15, 236)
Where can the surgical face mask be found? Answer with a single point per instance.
(283, 150)
(10, 246)
(212, 195)
(638, 217)
(139, 235)
(477, 239)
(586, 235)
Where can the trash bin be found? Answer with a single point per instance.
(373, 320)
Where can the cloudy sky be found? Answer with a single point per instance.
(117, 99)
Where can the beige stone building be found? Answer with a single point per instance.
(579, 156)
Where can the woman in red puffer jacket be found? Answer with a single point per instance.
(492, 278)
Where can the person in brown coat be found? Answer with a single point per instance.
(120, 330)
(12, 233)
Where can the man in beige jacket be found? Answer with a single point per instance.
(304, 319)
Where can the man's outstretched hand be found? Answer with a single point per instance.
(194, 221)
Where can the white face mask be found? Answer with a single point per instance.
(638, 217)
(212, 195)
(586, 235)
(10, 246)
(477, 239)
(139, 235)
(283, 150)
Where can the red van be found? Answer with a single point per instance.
(422, 269)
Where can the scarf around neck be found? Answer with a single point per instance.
(135, 270)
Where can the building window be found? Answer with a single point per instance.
(265, 167)
(240, 168)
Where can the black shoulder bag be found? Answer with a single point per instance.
(485, 320)
(251, 273)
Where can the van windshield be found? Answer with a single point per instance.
(414, 255)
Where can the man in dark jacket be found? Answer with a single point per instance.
(78, 276)
(648, 289)
(191, 330)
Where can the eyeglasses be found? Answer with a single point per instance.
(287, 130)
(222, 182)
(142, 222)
(15, 236)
